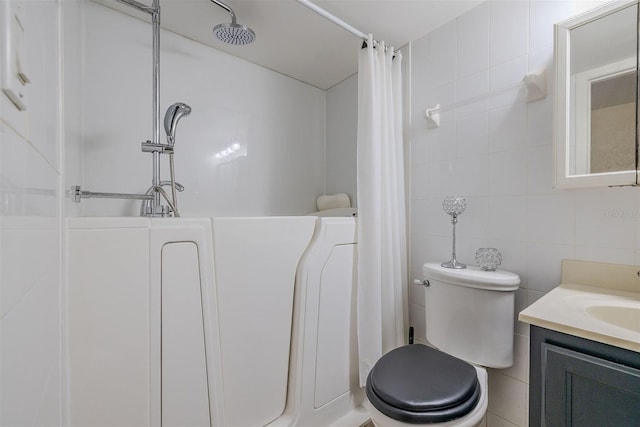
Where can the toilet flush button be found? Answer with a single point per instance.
(424, 282)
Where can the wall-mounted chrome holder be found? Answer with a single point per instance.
(150, 147)
(454, 206)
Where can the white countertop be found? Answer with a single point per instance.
(609, 313)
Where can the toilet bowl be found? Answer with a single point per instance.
(417, 384)
(469, 322)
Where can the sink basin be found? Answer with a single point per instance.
(604, 315)
(595, 301)
(625, 317)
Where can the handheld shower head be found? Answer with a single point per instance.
(233, 33)
(171, 117)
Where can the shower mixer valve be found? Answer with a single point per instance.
(146, 208)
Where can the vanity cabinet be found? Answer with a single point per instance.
(582, 383)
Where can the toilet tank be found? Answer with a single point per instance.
(470, 313)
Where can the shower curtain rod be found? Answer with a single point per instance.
(339, 22)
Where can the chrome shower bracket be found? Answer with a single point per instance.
(150, 147)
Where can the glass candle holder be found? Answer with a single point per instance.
(454, 206)
(488, 259)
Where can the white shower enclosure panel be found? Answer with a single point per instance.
(256, 261)
(143, 330)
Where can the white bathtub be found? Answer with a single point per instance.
(158, 323)
(191, 321)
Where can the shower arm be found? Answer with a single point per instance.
(222, 5)
(140, 6)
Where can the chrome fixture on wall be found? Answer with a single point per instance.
(171, 117)
(152, 204)
(233, 33)
(152, 199)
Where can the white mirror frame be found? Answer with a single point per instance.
(562, 107)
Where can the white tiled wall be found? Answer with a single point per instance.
(30, 221)
(495, 149)
(278, 122)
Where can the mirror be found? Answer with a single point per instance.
(596, 95)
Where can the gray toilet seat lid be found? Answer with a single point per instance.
(416, 383)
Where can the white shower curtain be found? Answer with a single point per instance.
(382, 258)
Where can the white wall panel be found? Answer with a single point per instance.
(31, 377)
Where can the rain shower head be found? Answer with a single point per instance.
(171, 117)
(233, 33)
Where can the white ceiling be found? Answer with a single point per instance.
(295, 41)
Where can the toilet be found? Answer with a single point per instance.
(469, 323)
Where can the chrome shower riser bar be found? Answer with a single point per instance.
(154, 11)
(151, 205)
